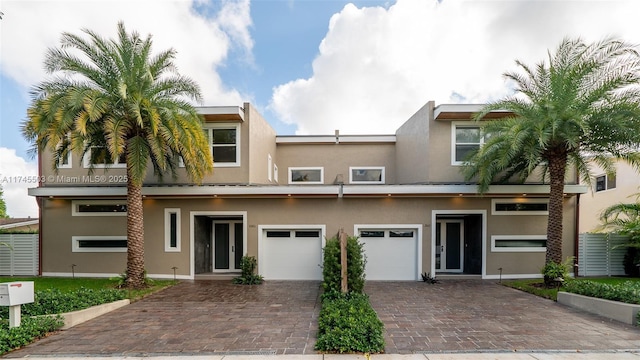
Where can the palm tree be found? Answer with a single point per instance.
(580, 105)
(114, 97)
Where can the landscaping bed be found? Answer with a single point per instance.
(608, 297)
(347, 323)
(71, 297)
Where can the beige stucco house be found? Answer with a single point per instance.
(607, 189)
(279, 197)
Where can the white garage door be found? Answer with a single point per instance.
(391, 253)
(291, 255)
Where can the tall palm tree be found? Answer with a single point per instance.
(115, 97)
(580, 105)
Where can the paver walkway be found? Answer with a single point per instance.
(473, 315)
(280, 317)
(203, 317)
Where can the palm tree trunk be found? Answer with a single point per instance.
(557, 166)
(135, 235)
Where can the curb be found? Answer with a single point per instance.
(74, 318)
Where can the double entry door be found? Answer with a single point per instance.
(449, 245)
(227, 245)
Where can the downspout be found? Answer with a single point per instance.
(40, 203)
(576, 240)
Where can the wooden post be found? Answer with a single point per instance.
(343, 261)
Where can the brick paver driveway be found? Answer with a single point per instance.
(199, 317)
(473, 315)
(216, 317)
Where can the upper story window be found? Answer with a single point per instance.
(306, 175)
(65, 161)
(275, 172)
(269, 167)
(100, 158)
(224, 142)
(466, 137)
(366, 175)
(605, 182)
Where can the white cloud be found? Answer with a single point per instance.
(377, 66)
(202, 43)
(16, 176)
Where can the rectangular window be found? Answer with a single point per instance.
(275, 172)
(269, 167)
(401, 233)
(519, 243)
(371, 233)
(605, 182)
(99, 208)
(65, 161)
(278, 234)
(99, 243)
(171, 230)
(224, 142)
(306, 175)
(465, 139)
(519, 207)
(366, 175)
(308, 233)
(101, 158)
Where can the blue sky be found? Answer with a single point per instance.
(309, 66)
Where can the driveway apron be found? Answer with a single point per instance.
(199, 317)
(477, 315)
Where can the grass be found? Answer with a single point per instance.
(70, 284)
(536, 286)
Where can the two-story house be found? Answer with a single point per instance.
(279, 197)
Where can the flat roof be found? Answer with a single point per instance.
(221, 112)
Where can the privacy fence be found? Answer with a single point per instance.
(601, 255)
(20, 257)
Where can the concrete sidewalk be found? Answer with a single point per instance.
(618, 355)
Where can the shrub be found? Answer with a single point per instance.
(348, 323)
(54, 301)
(331, 267)
(553, 271)
(627, 292)
(30, 329)
(248, 265)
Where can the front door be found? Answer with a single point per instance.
(449, 255)
(227, 245)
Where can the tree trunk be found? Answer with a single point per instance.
(135, 236)
(557, 167)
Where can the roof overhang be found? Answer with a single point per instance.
(257, 191)
(465, 112)
(218, 113)
(19, 224)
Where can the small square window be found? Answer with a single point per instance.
(466, 138)
(605, 182)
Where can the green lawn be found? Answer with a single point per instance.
(536, 286)
(70, 284)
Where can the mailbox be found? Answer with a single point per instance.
(16, 293)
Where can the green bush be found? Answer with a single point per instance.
(627, 292)
(331, 267)
(347, 323)
(248, 265)
(553, 271)
(30, 329)
(54, 301)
